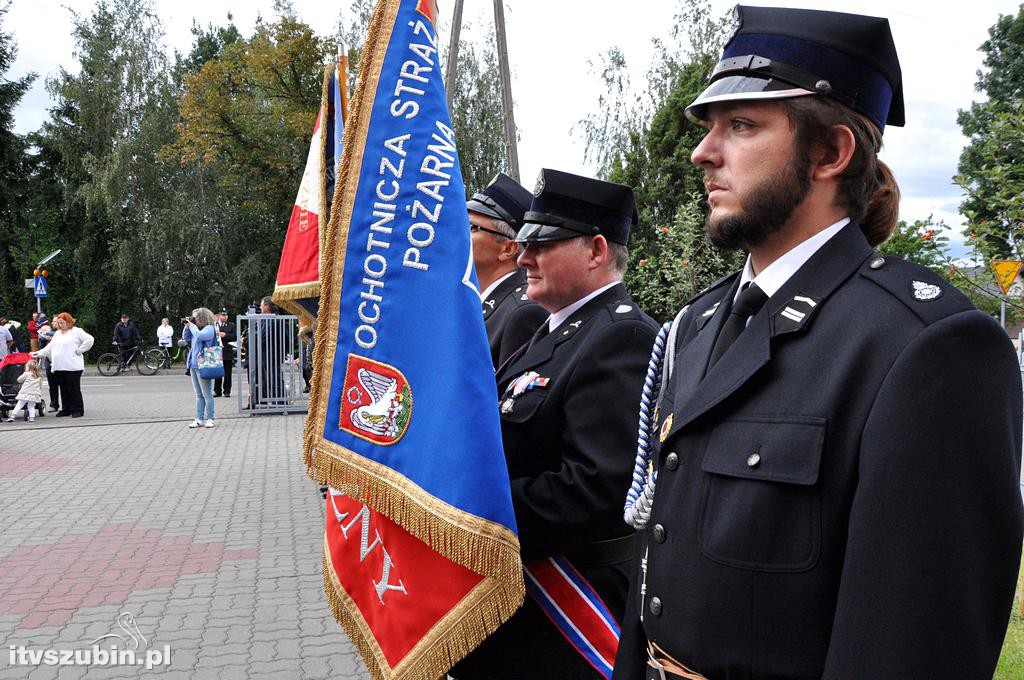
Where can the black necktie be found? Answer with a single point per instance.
(539, 335)
(749, 301)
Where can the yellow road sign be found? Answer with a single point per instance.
(1006, 271)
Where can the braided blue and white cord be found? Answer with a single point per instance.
(659, 371)
(637, 511)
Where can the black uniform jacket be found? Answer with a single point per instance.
(838, 496)
(570, 447)
(228, 328)
(510, 317)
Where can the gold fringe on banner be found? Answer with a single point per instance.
(454, 636)
(482, 546)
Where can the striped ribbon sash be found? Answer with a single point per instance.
(576, 609)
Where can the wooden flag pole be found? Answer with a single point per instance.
(453, 52)
(506, 91)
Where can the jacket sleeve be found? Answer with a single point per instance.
(934, 535)
(583, 498)
(23, 377)
(206, 333)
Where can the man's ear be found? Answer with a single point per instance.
(599, 251)
(508, 250)
(833, 160)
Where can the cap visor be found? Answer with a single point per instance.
(533, 232)
(740, 88)
(476, 206)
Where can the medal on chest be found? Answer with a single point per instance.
(521, 385)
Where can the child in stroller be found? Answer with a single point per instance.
(11, 368)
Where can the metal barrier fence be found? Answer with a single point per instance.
(272, 358)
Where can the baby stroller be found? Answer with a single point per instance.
(12, 366)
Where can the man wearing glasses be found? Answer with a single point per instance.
(568, 425)
(495, 214)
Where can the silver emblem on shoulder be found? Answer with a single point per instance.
(925, 291)
(524, 297)
(622, 309)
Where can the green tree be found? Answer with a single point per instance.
(246, 116)
(477, 116)
(100, 131)
(645, 142)
(679, 262)
(991, 167)
(14, 228)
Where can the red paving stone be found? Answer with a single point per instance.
(14, 465)
(48, 583)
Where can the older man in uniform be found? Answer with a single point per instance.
(567, 428)
(836, 489)
(495, 215)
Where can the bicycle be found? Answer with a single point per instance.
(162, 355)
(146, 362)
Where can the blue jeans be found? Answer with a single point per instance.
(204, 395)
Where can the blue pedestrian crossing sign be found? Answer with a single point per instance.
(40, 286)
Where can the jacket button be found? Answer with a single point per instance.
(659, 533)
(656, 606)
(754, 460)
(672, 461)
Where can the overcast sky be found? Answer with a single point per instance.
(553, 43)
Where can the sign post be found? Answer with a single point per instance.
(39, 284)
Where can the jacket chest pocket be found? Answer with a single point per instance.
(523, 407)
(760, 506)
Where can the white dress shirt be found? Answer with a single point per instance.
(777, 273)
(556, 319)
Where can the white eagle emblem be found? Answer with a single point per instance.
(381, 414)
(925, 291)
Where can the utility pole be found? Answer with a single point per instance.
(506, 90)
(453, 53)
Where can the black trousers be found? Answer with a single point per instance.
(51, 382)
(70, 384)
(225, 382)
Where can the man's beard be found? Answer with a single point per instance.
(766, 208)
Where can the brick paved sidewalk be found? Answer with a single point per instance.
(210, 538)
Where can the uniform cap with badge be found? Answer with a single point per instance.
(503, 199)
(778, 53)
(566, 206)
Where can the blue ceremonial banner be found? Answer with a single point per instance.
(421, 558)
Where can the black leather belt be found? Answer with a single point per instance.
(602, 553)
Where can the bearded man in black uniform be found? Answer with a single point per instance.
(495, 215)
(565, 403)
(837, 444)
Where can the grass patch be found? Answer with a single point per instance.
(1011, 660)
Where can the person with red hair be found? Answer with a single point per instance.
(65, 354)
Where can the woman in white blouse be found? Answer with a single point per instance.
(65, 354)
